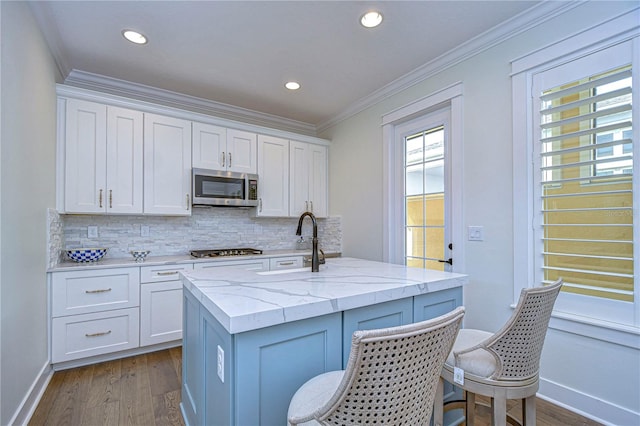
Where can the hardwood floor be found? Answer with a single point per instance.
(145, 390)
(140, 390)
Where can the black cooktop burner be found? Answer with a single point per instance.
(225, 252)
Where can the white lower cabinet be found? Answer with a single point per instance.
(102, 311)
(94, 312)
(81, 336)
(161, 303)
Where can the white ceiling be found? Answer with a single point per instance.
(241, 53)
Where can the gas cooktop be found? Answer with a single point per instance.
(225, 252)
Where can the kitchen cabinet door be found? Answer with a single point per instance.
(308, 164)
(124, 161)
(273, 169)
(85, 170)
(241, 151)
(103, 159)
(160, 312)
(167, 165)
(209, 147)
(217, 148)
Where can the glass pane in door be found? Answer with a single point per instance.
(425, 199)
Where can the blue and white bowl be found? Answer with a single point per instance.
(139, 255)
(86, 254)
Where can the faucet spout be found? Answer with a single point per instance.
(315, 259)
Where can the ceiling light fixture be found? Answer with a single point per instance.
(134, 37)
(292, 85)
(371, 19)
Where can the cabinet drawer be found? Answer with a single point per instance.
(249, 265)
(81, 336)
(285, 262)
(154, 274)
(81, 292)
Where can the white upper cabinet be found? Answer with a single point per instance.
(217, 148)
(209, 146)
(167, 165)
(103, 159)
(308, 164)
(124, 160)
(273, 169)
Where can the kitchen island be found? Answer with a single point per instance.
(250, 339)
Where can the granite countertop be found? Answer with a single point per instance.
(247, 300)
(123, 262)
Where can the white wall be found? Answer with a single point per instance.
(356, 195)
(27, 188)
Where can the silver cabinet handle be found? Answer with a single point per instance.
(100, 199)
(167, 273)
(260, 205)
(306, 206)
(311, 204)
(229, 159)
(187, 207)
(102, 333)
(104, 290)
(223, 158)
(110, 198)
(287, 263)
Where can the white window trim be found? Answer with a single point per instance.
(614, 31)
(393, 179)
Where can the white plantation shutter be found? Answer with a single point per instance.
(584, 186)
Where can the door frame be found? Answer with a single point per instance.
(393, 173)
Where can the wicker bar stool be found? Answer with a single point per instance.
(391, 377)
(503, 365)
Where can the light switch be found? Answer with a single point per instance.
(92, 232)
(475, 233)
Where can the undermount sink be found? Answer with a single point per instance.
(285, 271)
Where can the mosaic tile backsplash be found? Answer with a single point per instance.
(206, 228)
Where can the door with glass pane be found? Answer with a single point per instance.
(426, 201)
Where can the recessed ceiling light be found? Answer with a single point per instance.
(292, 85)
(134, 37)
(371, 19)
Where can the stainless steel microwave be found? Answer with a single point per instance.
(218, 188)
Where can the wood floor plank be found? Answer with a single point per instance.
(104, 414)
(136, 407)
(71, 401)
(48, 399)
(162, 374)
(166, 408)
(105, 385)
(176, 357)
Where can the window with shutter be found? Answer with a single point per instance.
(583, 185)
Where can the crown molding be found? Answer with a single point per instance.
(520, 23)
(127, 89)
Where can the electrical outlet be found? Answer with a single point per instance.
(144, 230)
(220, 364)
(92, 232)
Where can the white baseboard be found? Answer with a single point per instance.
(588, 406)
(32, 398)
